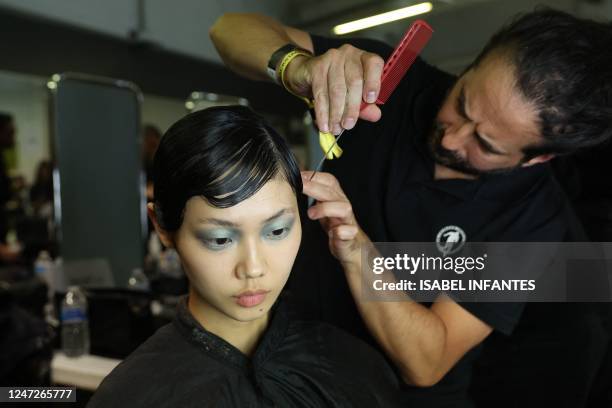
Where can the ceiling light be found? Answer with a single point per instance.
(383, 18)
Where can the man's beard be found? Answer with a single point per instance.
(452, 160)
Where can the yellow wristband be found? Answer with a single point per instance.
(282, 67)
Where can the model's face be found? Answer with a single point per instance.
(239, 258)
(485, 122)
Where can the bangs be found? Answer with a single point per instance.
(250, 168)
(224, 155)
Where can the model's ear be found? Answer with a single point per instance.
(166, 237)
(543, 158)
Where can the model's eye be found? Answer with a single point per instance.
(222, 241)
(217, 244)
(278, 230)
(278, 233)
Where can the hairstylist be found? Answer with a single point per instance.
(469, 152)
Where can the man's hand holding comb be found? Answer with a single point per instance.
(338, 81)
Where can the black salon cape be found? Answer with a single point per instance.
(388, 175)
(296, 364)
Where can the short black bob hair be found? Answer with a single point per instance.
(224, 154)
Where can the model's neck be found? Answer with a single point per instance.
(243, 335)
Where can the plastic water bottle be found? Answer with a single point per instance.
(75, 326)
(44, 270)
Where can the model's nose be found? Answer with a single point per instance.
(252, 264)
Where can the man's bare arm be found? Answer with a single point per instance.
(245, 41)
(338, 80)
(424, 343)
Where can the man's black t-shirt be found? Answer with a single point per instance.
(388, 175)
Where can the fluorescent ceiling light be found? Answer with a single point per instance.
(383, 18)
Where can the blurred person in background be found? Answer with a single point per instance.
(41, 192)
(7, 141)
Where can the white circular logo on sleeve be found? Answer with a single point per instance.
(450, 239)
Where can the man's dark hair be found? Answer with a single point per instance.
(563, 65)
(223, 154)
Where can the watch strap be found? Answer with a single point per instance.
(277, 56)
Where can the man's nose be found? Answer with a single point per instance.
(252, 264)
(456, 137)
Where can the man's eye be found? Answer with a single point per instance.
(485, 149)
(484, 146)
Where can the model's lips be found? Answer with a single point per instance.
(251, 298)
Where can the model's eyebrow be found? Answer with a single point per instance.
(226, 223)
(279, 214)
(461, 108)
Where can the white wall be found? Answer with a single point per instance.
(183, 25)
(114, 17)
(598, 11)
(178, 25)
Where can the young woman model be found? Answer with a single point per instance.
(226, 198)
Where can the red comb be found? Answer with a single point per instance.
(403, 56)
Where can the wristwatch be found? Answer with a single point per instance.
(277, 57)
